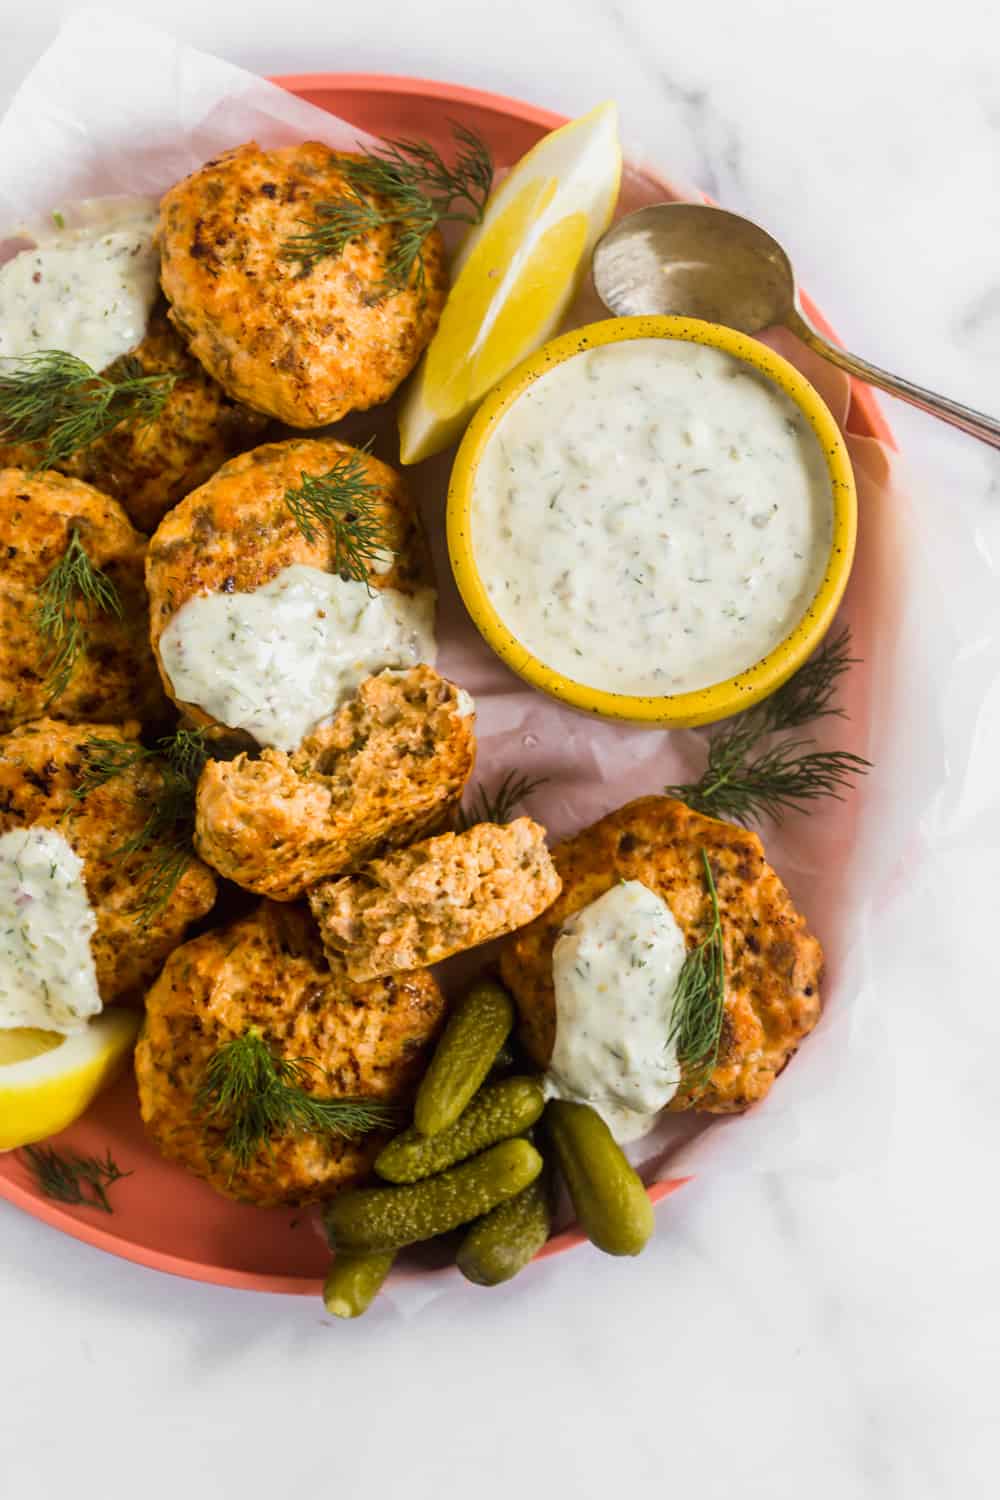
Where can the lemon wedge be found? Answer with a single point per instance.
(47, 1080)
(515, 276)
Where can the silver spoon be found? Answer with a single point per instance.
(702, 262)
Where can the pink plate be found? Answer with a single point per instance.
(164, 1218)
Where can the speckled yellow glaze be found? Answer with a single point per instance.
(677, 710)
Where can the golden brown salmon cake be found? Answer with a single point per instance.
(236, 532)
(147, 467)
(41, 767)
(268, 971)
(306, 344)
(423, 904)
(773, 963)
(115, 675)
(386, 771)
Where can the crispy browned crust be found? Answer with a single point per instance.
(40, 767)
(268, 971)
(148, 467)
(235, 532)
(773, 963)
(421, 905)
(384, 772)
(307, 346)
(116, 677)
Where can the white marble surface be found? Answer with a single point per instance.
(833, 1339)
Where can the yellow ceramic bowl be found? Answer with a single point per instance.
(677, 710)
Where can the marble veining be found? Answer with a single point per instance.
(827, 1337)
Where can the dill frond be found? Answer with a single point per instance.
(700, 997)
(66, 1177)
(420, 192)
(497, 806)
(55, 398)
(258, 1096)
(68, 599)
(343, 504)
(748, 776)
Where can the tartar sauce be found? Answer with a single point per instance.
(282, 659)
(651, 517)
(87, 291)
(47, 974)
(615, 966)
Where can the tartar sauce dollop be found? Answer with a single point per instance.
(651, 517)
(47, 974)
(282, 659)
(86, 291)
(615, 967)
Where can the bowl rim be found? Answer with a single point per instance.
(701, 705)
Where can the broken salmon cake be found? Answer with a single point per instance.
(423, 904)
(384, 771)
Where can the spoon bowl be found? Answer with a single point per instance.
(689, 260)
(692, 260)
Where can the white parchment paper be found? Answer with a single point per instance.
(116, 107)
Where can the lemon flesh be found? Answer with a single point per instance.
(515, 276)
(48, 1080)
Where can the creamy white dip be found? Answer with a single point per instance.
(651, 517)
(615, 967)
(47, 974)
(86, 291)
(282, 659)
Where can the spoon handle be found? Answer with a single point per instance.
(976, 423)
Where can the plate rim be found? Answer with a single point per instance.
(875, 425)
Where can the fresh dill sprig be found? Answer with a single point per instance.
(700, 997)
(165, 838)
(748, 777)
(68, 599)
(419, 191)
(65, 1176)
(343, 504)
(54, 397)
(257, 1096)
(498, 806)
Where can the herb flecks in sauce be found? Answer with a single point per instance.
(47, 974)
(86, 291)
(616, 966)
(651, 517)
(280, 660)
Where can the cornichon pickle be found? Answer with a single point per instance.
(477, 1028)
(608, 1195)
(503, 1242)
(386, 1218)
(497, 1112)
(353, 1281)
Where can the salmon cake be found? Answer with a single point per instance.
(54, 531)
(385, 771)
(303, 340)
(773, 963)
(237, 532)
(267, 971)
(423, 904)
(148, 466)
(42, 784)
